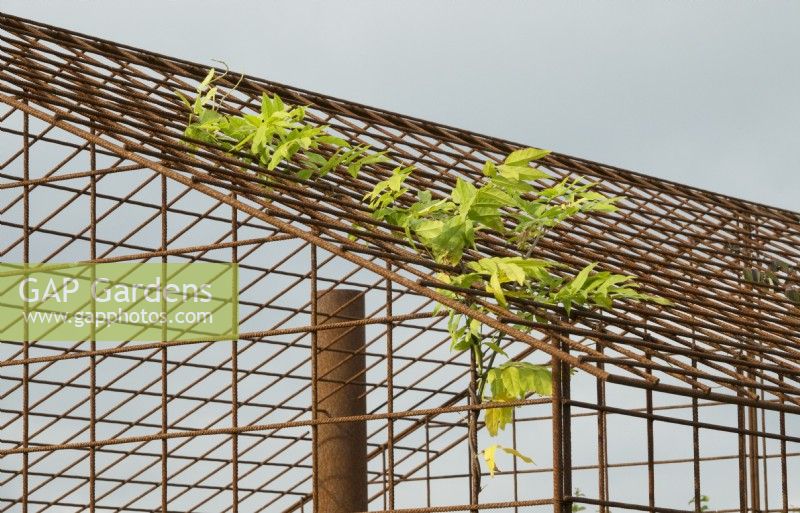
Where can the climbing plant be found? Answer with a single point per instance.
(702, 505)
(778, 275)
(508, 203)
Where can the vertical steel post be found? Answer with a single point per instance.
(602, 437)
(566, 430)
(651, 467)
(314, 381)
(341, 447)
(742, 459)
(164, 373)
(558, 441)
(784, 473)
(26, 249)
(235, 371)
(389, 392)
(92, 329)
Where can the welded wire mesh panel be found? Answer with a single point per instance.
(654, 407)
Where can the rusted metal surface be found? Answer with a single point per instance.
(665, 404)
(341, 448)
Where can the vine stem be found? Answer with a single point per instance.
(484, 374)
(472, 417)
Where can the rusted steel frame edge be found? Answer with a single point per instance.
(682, 391)
(191, 249)
(371, 114)
(468, 507)
(72, 176)
(272, 426)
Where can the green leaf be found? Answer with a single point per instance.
(462, 343)
(475, 327)
(495, 288)
(335, 141)
(448, 244)
(210, 116)
(497, 418)
(398, 178)
(281, 154)
(278, 106)
(513, 187)
(206, 81)
(521, 172)
(581, 277)
(496, 348)
(464, 193)
(365, 159)
(207, 98)
(524, 156)
(183, 98)
(513, 271)
(517, 380)
(305, 174)
(429, 230)
(259, 139)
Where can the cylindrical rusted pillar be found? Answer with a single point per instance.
(341, 448)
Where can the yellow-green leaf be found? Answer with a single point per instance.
(183, 98)
(427, 230)
(497, 418)
(517, 454)
(488, 456)
(525, 155)
(206, 81)
(496, 289)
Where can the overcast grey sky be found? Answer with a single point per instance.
(704, 93)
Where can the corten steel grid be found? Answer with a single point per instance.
(663, 404)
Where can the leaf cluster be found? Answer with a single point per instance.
(513, 381)
(703, 505)
(777, 274)
(278, 133)
(509, 203)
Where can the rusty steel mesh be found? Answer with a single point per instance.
(654, 407)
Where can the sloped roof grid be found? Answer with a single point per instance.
(683, 243)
